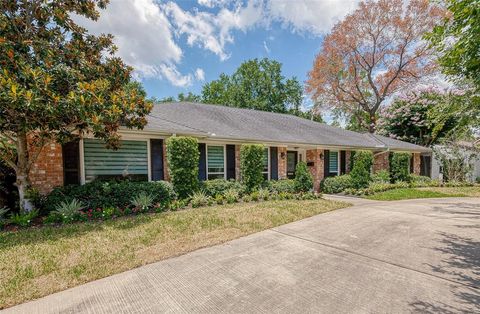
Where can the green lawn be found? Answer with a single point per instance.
(37, 262)
(432, 192)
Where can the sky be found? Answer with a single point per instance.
(177, 46)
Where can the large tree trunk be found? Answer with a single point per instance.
(372, 125)
(23, 182)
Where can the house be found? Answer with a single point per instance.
(220, 131)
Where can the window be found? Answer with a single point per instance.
(333, 162)
(215, 162)
(266, 162)
(129, 161)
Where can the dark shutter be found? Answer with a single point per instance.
(202, 166)
(156, 159)
(411, 163)
(326, 163)
(426, 165)
(71, 163)
(343, 162)
(274, 163)
(231, 162)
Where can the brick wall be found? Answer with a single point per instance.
(237, 163)
(416, 163)
(166, 173)
(317, 170)
(47, 171)
(381, 161)
(348, 156)
(282, 163)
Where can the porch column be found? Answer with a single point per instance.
(237, 162)
(166, 173)
(381, 161)
(315, 165)
(348, 156)
(416, 163)
(282, 163)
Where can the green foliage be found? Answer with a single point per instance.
(251, 165)
(231, 196)
(400, 166)
(303, 178)
(258, 84)
(143, 201)
(68, 211)
(456, 160)
(98, 194)
(362, 164)
(220, 186)
(199, 198)
(285, 185)
(382, 176)
(336, 184)
(263, 194)
(219, 199)
(23, 219)
(247, 198)
(183, 156)
(58, 81)
(3, 211)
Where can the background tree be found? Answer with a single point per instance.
(373, 53)
(412, 116)
(57, 82)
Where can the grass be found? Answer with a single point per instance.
(431, 192)
(38, 262)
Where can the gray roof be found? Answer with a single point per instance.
(221, 122)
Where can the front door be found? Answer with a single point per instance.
(292, 159)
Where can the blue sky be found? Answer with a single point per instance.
(177, 46)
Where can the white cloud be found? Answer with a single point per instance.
(316, 17)
(200, 74)
(265, 46)
(175, 77)
(212, 3)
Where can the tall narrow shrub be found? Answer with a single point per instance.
(400, 167)
(362, 164)
(251, 165)
(303, 178)
(183, 156)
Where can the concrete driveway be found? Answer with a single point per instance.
(380, 257)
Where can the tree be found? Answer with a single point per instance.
(457, 159)
(58, 82)
(412, 116)
(256, 84)
(373, 53)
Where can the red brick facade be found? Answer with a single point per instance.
(282, 163)
(166, 174)
(237, 162)
(416, 163)
(317, 168)
(381, 161)
(348, 157)
(47, 171)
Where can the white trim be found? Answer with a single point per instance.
(268, 164)
(149, 166)
(224, 160)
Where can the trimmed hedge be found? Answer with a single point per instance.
(303, 178)
(362, 163)
(251, 165)
(221, 186)
(282, 186)
(101, 194)
(400, 167)
(336, 184)
(183, 157)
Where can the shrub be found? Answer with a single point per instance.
(68, 211)
(280, 186)
(183, 156)
(247, 198)
(117, 194)
(336, 184)
(251, 165)
(3, 211)
(231, 196)
(303, 178)
(255, 196)
(220, 186)
(400, 166)
(178, 204)
(360, 173)
(23, 219)
(143, 201)
(263, 194)
(219, 199)
(382, 176)
(199, 198)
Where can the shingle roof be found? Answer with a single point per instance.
(252, 125)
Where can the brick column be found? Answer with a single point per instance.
(237, 163)
(47, 171)
(348, 156)
(381, 161)
(166, 173)
(416, 163)
(282, 163)
(317, 169)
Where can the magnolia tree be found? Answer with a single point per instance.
(373, 53)
(57, 82)
(412, 115)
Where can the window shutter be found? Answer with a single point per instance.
(71, 163)
(343, 162)
(156, 159)
(231, 162)
(202, 167)
(274, 163)
(326, 163)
